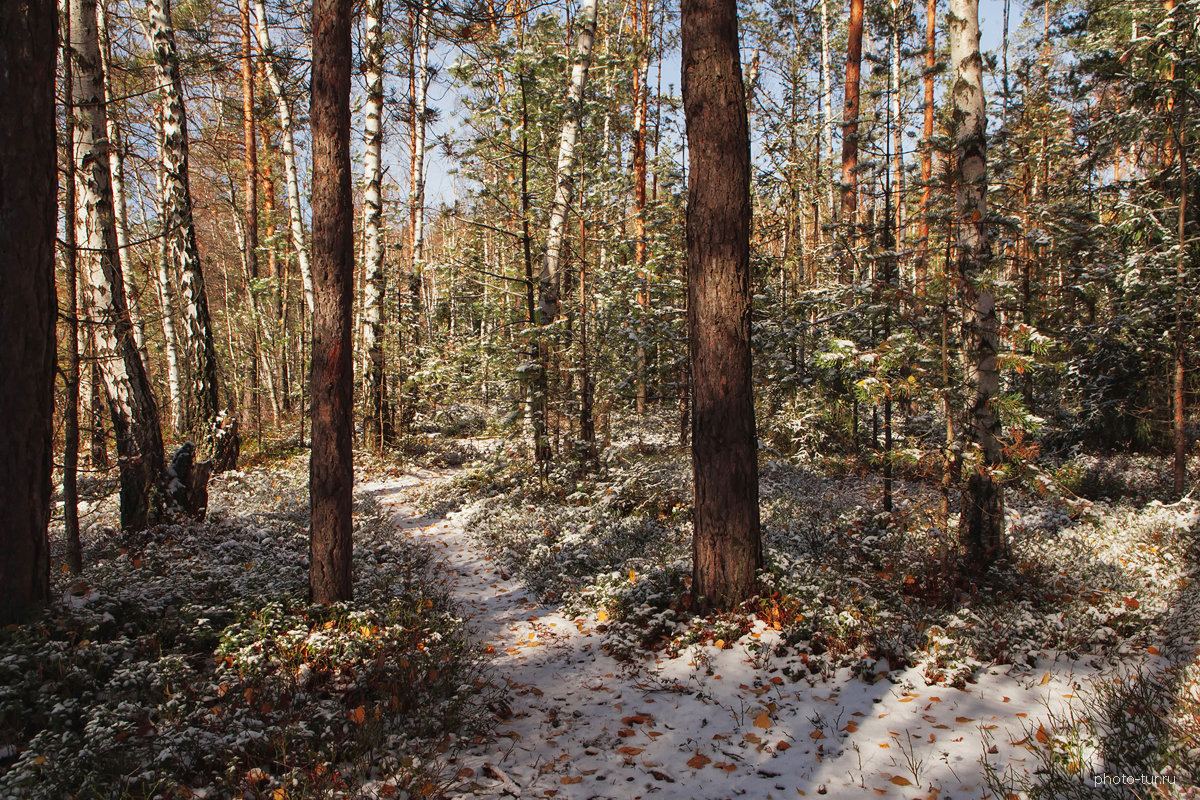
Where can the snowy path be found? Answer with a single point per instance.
(584, 725)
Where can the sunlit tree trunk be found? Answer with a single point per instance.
(850, 111)
(331, 466)
(827, 103)
(550, 279)
(250, 202)
(116, 163)
(922, 266)
(179, 229)
(288, 149)
(375, 421)
(166, 300)
(130, 398)
(981, 524)
(28, 212)
(726, 542)
(640, 29)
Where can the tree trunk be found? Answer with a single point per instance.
(550, 279)
(850, 112)
(116, 164)
(376, 426)
(166, 299)
(981, 524)
(331, 466)
(28, 214)
(641, 27)
(250, 204)
(288, 148)
(130, 398)
(827, 103)
(1179, 430)
(726, 543)
(922, 266)
(71, 282)
(180, 232)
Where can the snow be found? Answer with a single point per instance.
(717, 722)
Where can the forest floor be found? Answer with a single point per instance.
(724, 718)
(526, 634)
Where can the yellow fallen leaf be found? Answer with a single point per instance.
(1045, 679)
(900, 780)
(602, 615)
(763, 720)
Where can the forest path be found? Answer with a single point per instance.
(713, 722)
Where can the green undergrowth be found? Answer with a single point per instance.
(186, 662)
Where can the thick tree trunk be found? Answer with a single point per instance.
(331, 466)
(376, 425)
(850, 110)
(250, 205)
(726, 543)
(179, 229)
(28, 212)
(981, 524)
(130, 398)
(550, 279)
(288, 148)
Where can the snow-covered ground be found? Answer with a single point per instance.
(722, 719)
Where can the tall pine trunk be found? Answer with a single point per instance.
(130, 398)
(28, 214)
(850, 111)
(726, 542)
(981, 523)
(71, 322)
(331, 466)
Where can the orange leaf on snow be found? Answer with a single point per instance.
(782, 745)
(850, 727)
(1041, 734)
(567, 780)
(697, 761)
(815, 735)
(629, 751)
(763, 720)
(964, 720)
(1045, 679)
(900, 780)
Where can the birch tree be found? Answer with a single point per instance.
(550, 279)
(982, 516)
(288, 149)
(130, 398)
(179, 229)
(376, 426)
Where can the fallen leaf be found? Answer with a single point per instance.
(850, 727)
(359, 715)
(763, 720)
(1041, 734)
(782, 745)
(752, 738)
(697, 761)
(964, 720)
(567, 780)
(1045, 679)
(629, 751)
(601, 615)
(900, 780)
(815, 735)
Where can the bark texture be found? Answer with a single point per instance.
(726, 542)
(550, 279)
(331, 467)
(178, 227)
(28, 212)
(981, 522)
(376, 425)
(850, 112)
(131, 401)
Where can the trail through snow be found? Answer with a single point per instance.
(714, 722)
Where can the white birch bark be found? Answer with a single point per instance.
(417, 185)
(166, 300)
(288, 146)
(130, 398)
(550, 279)
(373, 279)
(179, 228)
(116, 166)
